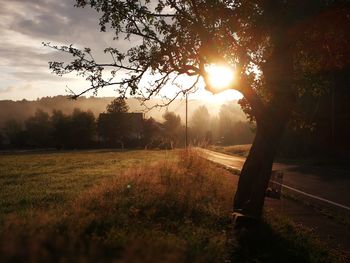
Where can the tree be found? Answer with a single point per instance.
(232, 129)
(151, 132)
(117, 105)
(276, 47)
(171, 128)
(83, 128)
(199, 123)
(39, 129)
(113, 128)
(14, 133)
(61, 129)
(113, 125)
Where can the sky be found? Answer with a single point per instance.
(24, 71)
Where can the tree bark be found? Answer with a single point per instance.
(256, 172)
(271, 118)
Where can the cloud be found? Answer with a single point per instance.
(24, 25)
(40, 76)
(57, 21)
(10, 89)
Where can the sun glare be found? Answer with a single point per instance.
(220, 76)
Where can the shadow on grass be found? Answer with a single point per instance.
(276, 242)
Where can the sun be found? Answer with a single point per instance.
(220, 76)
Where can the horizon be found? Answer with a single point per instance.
(98, 105)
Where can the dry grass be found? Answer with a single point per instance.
(175, 210)
(49, 180)
(172, 211)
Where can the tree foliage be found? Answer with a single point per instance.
(171, 128)
(279, 50)
(267, 42)
(58, 130)
(113, 128)
(152, 132)
(118, 105)
(14, 132)
(39, 129)
(200, 123)
(83, 128)
(232, 129)
(61, 129)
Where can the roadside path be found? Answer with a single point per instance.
(330, 231)
(325, 188)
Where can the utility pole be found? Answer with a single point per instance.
(186, 135)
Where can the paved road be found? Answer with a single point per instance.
(323, 187)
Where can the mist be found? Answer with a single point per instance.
(23, 109)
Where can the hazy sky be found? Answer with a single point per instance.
(25, 24)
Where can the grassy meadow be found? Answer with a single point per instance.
(133, 206)
(30, 181)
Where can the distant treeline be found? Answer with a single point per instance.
(24, 109)
(321, 127)
(117, 127)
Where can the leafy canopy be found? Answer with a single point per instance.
(263, 40)
(118, 105)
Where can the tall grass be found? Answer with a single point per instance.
(175, 210)
(52, 179)
(172, 211)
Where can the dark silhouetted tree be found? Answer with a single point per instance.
(61, 129)
(14, 133)
(117, 105)
(82, 129)
(39, 130)
(276, 47)
(151, 132)
(113, 126)
(171, 128)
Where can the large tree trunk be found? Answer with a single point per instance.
(271, 118)
(256, 172)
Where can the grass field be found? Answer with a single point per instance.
(136, 206)
(30, 181)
